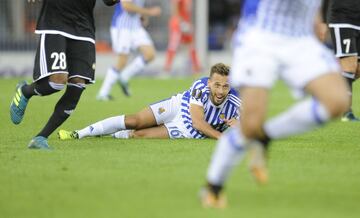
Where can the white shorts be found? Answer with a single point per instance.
(126, 40)
(167, 112)
(264, 57)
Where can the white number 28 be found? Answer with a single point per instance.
(59, 61)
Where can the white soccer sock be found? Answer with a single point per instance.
(132, 69)
(300, 118)
(110, 79)
(229, 151)
(103, 127)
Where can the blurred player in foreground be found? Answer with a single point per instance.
(65, 57)
(207, 109)
(181, 32)
(344, 24)
(128, 35)
(270, 32)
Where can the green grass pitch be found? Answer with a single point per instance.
(312, 175)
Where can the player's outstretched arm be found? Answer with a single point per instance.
(133, 8)
(199, 123)
(111, 2)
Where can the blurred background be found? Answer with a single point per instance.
(214, 22)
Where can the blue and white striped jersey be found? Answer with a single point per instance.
(288, 17)
(124, 19)
(199, 94)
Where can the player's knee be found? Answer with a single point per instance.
(59, 78)
(251, 127)
(77, 80)
(137, 134)
(133, 122)
(46, 87)
(149, 55)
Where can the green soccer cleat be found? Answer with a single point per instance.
(18, 104)
(66, 135)
(39, 142)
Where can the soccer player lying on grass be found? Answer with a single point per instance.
(207, 109)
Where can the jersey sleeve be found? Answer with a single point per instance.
(236, 101)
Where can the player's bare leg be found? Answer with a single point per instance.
(137, 65)
(350, 67)
(111, 77)
(143, 119)
(158, 132)
(330, 90)
(253, 118)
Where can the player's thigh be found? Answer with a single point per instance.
(141, 120)
(121, 61)
(158, 132)
(332, 91)
(349, 64)
(51, 58)
(148, 52)
(81, 60)
(253, 112)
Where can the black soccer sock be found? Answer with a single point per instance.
(28, 90)
(42, 87)
(65, 106)
(215, 189)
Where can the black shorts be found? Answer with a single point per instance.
(346, 39)
(59, 54)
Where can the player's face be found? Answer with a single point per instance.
(219, 88)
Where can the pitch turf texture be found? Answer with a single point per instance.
(312, 175)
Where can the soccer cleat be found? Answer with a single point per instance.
(211, 200)
(105, 98)
(124, 87)
(18, 104)
(349, 117)
(257, 164)
(122, 134)
(39, 142)
(66, 135)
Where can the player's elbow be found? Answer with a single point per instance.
(111, 2)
